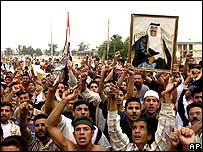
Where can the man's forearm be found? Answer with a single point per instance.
(121, 79)
(112, 106)
(196, 127)
(25, 132)
(55, 116)
(84, 86)
(49, 103)
(130, 88)
(101, 88)
(109, 76)
(9, 97)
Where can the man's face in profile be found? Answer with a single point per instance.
(153, 31)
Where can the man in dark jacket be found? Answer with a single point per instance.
(151, 50)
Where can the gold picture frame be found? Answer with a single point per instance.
(153, 40)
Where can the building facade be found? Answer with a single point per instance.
(193, 47)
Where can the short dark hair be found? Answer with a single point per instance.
(132, 99)
(7, 77)
(195, 90)
(40, 116)
(92, 82)
(79, 102)
(192, 105)
(25, 74)
(17, 141)
(24, 91)
(45, 90)
(3, 104)
(146, 121)
(140, 73)
(9, 72)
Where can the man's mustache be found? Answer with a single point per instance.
(195, 119)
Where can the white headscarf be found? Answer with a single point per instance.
(155, 42)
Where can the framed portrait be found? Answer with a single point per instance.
(153, 41)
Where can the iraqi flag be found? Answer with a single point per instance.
(66, 48)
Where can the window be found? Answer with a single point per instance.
(184, 46)
(190, 47)
(184, 53)
(179, 47)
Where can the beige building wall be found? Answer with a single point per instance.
(193, 47)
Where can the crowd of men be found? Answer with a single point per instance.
(100, 105)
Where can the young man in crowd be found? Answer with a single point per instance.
(83, 133)
(14, 143)
(80, 108)
(8, 126)
(141, 132)
(39, 140)
(151, 110)
(194, 111)
(141, 87)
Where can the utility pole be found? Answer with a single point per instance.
(106, 51)
(114, 44)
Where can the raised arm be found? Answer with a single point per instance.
(130, 87)
(83, 78)
(49, 103)
(118, 139)
(58, 138)
(186, 65)
(197, 127)
(166, 120)
(53, 120)
(113, 65)
(122, 77)
(72, 81)
(25, 132)
(15, 89)
(101, 84)
(84, 91)
(181, 135)
(55, 115)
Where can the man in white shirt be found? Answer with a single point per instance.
(8, 126)
(194, 111)
(80, 108)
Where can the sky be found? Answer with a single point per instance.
(30, 22)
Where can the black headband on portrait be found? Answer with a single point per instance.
(154, 24)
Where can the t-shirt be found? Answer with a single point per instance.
(6, 129)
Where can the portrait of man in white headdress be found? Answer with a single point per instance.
(151, 48)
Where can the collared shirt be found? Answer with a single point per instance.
(36, 145)
(10, 129)
(198, 139)
(166, 123)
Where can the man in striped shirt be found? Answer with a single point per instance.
(141, 129)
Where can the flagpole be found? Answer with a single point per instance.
(51, 41)
(105, 56)
(108, 40)
(68, 35)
